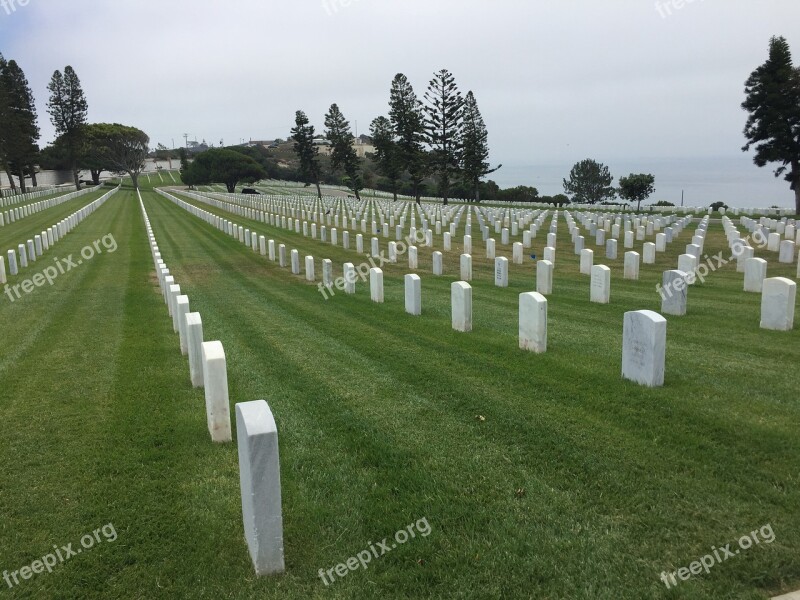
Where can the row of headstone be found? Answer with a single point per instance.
(20, 212)
(257, 434)
(207, 362)
(674, 291)
(33, 249)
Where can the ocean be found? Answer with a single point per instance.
(734, 180)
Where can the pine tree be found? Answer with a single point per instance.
(343, 154)
(387, 151)
(4, 115)
(444, 125)
(773, 127)
(303, 135)
(68, 110)
(406, 115)
(21, 130)
(474, 147)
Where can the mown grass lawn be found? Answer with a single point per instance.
(541, 476)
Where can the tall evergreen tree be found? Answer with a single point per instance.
(474, 147)
(68, 110)
(343, 154)
(387, 151)
(307, 152)
(408, 120)
(4, 132)
(20, 126)
(773, 127)
(444, 126)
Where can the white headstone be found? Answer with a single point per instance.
(517, 253)
(310, 274)
(466, 267)
(587, 260)
(327, 272)
(631, 267)
(777, 304)
(350, 276)
(260, 482)
(461, 302)
(649, 253)
(688, 264)
(544, 277)
(437, 263)
(628, 240)
(215, 381)
(673, 292)
(644, 343)
(376, 285)
(786, 255)
(413, 290)
(611, 249)
(194, 335)
(755, 271)
(490, 249)
(181, 310)
(533, 322)
(600, 285)
(501, 271)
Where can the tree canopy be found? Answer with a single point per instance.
(773, 127)
(636, 188)
(474, 147)
(222, 165)
(444, 127)
(406, 115)
(20, 129)
(343, 154)
(307, 152)
(68, 110)
(590, 182)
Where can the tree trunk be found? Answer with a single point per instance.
(22, 186)
(358, 196)
(231, 187)
(796, 186)
(134, 179)
(76, 175)
(394, 191)
(10, 176)
(319, 191)
(477, 193)
(797, 197)
(96, 176)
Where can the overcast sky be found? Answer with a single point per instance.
(556, 81)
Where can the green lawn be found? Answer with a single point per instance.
(541, 476)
